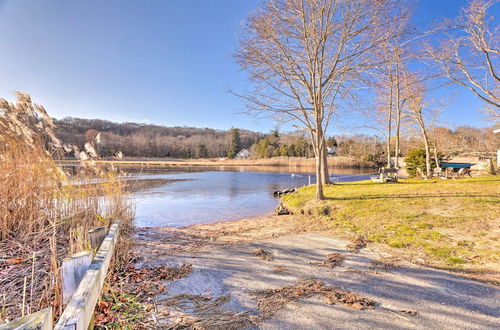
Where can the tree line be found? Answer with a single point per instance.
(142, 140)
(152, 141)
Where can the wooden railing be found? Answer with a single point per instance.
(41, 320)
(83, 278)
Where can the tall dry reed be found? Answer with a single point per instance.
(45, 212)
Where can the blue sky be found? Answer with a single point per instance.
(165, 62)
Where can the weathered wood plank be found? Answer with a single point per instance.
(41, 320)
(79, 312)
(96, 236)
(73, 270)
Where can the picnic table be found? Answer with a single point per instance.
(454, 170)
(386, 175)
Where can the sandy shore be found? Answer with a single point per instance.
(232, 287)
(195, 237)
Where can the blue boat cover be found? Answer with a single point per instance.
(457, 165)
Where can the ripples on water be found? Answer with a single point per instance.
(210, 195)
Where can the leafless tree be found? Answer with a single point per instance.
(302, 56)
(389, 87)
(421, 114)
(387, 80)
(470, 55)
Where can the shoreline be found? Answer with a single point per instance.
(196, 237)
(333, 162)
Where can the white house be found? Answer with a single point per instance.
(243, 154)
(331, 151)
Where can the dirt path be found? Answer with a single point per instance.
(227, 288)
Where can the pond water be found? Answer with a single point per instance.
(181, 197)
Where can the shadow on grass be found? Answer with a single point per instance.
(416, 182)
(373, 197)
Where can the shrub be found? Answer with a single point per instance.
(416, 159)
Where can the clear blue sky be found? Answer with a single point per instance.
(165, 62)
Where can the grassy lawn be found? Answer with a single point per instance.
(451, 224)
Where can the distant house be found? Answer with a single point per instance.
(243, 154)
(331, 151)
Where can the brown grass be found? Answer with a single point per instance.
(128, 298)
(206, 313)
(263, 254)
(298, 164)
(357, 243)
(332, 260)
(44, 216)
(272, 300)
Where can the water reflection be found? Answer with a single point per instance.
(207, 195)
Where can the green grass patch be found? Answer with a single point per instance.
(440, 252)
(456, 261)
(450, 221)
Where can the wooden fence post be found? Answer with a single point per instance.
(80, 310)
(96, 237)
(41, 320)
(73, 270)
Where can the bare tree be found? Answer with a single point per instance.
(421, 114)
(302, 56)
(390, 87)
(387, 80)
(470, 56)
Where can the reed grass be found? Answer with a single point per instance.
(44, 215)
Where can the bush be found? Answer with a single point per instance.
(416, 159)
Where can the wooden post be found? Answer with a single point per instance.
(96, 237)
(41, 320)
(73, 270)
(80, 310)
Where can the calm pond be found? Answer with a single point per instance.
(181, 197)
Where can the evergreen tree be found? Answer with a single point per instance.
(201, 151)
(235, 145)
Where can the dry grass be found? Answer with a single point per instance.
(357, 243)
(298, 164)
(280, 270)
(263, 254)
(205, 313)
(272, 300)
(129, 297)
(44, 217)
(332, 260)
(384, 264)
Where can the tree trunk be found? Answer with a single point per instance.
(428, 172)
(389, 127)
(318, 146)
(398, 111)
(325, 179)
(388, 150)
(315, 140)
(436, 158)
(398, 125)
(319, 184)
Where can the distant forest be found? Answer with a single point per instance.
(143, 140)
